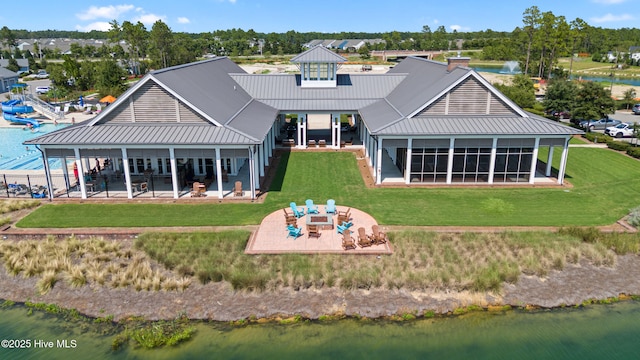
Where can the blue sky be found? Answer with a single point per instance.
(279, 16)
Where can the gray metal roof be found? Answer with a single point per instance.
(6, 73)
(287, 89)
(478, 125)
(379, 115)
(147, 134)
(425, 80)
(318, 105)
(207, 86)
(254, 120)
(316, 54)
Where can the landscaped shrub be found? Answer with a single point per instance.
(618, 145)
(634, 217)
(597, 137)
(633, 152)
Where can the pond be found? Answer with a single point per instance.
(592, 332)
(632, 82)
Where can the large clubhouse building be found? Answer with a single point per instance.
(422, 122)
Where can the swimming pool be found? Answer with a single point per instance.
(15, 156)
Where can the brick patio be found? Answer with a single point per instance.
(271, 236)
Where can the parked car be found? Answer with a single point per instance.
(42, 90)
(561, 114)
(601, 124)
(42, 74)
(620, 130)
(636, 109)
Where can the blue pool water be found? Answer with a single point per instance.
(16, 156)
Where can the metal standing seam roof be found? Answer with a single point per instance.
(286, 87)
(207, 86)
(318, 53)
(478, 125)
(148, 134)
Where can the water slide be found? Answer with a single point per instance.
(11, 108)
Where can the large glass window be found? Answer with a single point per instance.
(429, 165)
(513, 164)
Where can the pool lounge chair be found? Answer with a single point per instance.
(347, 240)
(311, 208)
(297, 211)
(331, 207)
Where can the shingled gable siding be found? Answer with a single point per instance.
(468, 98)
(151, 103)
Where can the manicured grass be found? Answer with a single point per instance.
(606, 185)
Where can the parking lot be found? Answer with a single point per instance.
(624, 116)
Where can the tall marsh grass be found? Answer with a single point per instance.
(421, 260)
(95, 262)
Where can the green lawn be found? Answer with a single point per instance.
(606, 186)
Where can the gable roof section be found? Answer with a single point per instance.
(318, 53)
(207, 86)
(254, 120)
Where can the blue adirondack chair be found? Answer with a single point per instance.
(294, 232)
(297, 211)
(311, 208)
(331, 207)
(344, 226)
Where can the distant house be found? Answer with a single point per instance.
(634, 52)
(349, 45)
(22, 63)
(7, 78)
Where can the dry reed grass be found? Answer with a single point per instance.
(94, 262)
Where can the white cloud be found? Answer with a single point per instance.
(149, 19)
(104, 12)
(99, 25)
(459, 28)
(610, 17)
(183, 20)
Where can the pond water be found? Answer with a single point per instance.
(15, 156)
(594, 332)
(632, 82)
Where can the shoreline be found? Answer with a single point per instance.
(572, 286)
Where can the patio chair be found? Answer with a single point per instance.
(311, 208)
(313, 230)
(378, 236)
(344, 216)
(331, 207)
(322, 143)
(347, 240)
(297, 211)
(144, 187)
(289, 218)
(363, 239)
(344, 226)
(294, 232)
(237, 189)
(195, 192)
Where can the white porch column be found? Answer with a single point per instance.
(252, 173)
(492, 161)
(338, 133)
(379, 162)
(127, 173)
(547, 171)
(272, 137)
(407, 165)
(219, 173)
(452, 144)
(333, 130)
(83, 186)
(261, 159)
(534, 161)
(304, 132)
(563, 162)
(299, 130)
(174, 172)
